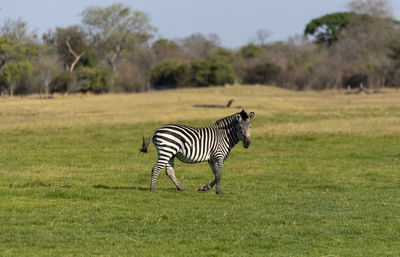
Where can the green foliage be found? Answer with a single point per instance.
(170, 73)
(62, 82)
(14, 73)
(250, 51)
(396, 78)
(116, 28)
(15, 50)
(17, 30)
(165, 46)
(16, 69)
(326, 29)
(214, 70)
(224, 53)
(76, 39)
(394, 47)
(96, 80)
(5, 49)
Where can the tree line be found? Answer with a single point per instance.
(114, 50)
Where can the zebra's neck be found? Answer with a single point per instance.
(227, 126)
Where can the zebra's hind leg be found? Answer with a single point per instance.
(169, 169)
(154, 173)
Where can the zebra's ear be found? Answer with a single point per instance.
(238, 117)
(251, 115)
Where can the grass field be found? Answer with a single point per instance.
(321, 177)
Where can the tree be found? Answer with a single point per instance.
(375, 8)
(46, 68)
(13, 73)
(116, 28)
(6, 50)
(17, 30)
(14, 62)
(15, 50)
(261, 37)
(164, 48)
(72, 47)
(251, 50)
(198, 46)
(326, 29)
(365, 46)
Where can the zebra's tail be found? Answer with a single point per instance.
(145, 144)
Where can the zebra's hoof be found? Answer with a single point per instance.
(218, 192)
(180, 188)
(203, 188)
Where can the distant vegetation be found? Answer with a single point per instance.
(114, 49)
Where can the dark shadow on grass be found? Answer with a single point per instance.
(119, 188)
(130, 188)
(228, 105)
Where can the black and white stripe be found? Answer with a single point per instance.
(193, 145)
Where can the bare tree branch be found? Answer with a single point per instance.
(77, 56)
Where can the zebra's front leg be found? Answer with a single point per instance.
(171, 174)
(214, 167)
(218, 175)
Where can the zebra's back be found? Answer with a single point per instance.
(188, 144)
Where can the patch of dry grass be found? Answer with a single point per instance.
(341, 113)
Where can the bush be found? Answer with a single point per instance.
(250, 51)
(266, 73)
(170, 73)
(215, 70)
(15, 77)
(62, 82)
(128, 81)
(96, 80)
(396, 78)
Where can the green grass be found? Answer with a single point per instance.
(321, 178)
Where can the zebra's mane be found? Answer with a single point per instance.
(227, 122)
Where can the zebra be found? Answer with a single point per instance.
(194, 145)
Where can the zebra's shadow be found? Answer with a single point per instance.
(130, 188)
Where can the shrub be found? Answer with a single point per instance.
(396, 78)
(215, 70)
(15, 77)
(127, 80)
(96, 80)
(266, 73)
(63, 82)
(250, 51)
(170, 73)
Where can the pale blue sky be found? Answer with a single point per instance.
(234, 21)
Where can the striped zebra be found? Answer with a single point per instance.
(193, 145)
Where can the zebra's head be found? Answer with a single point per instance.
(244, 127)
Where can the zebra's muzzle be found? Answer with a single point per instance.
(246, 143)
